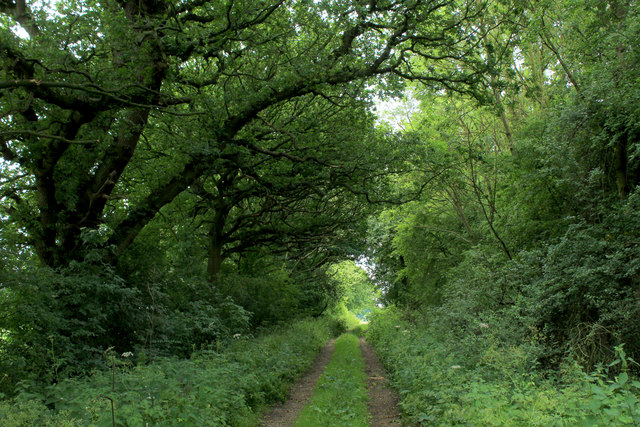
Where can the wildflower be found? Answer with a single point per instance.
(397, 326)
(484, 325)
(236, 336)
(456, 367)
(127, 354)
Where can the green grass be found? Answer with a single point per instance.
(226, 388)
(340, 397)
(478, 380)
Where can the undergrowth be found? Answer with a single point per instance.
(228, 387)
(347, 318)
(340, 396)
(479, 380)
(360, 330)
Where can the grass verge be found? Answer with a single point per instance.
(340, 397)
(212, 388)
(444, 380)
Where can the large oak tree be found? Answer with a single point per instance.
(99, 90)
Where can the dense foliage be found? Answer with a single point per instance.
(517, 274)
(173, 174)
(227, 387)
(447, 377)
(534, 216)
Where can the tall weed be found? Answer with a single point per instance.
(479, 380)
(212, 388)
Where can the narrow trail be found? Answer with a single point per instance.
(383, 403)
(286, 413)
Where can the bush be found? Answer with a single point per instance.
(56, 324)
(576, 294)
(199, 324)
(59, 323)
(270, 299)
(448, 380)
(580, 292)
(347, 318)
(213, 388)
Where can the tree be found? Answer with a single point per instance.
(100, 90)
(356, 288)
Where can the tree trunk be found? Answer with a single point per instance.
(215, 256)
(621, 169)
(620, 10)
(216, 240)
(455, 200)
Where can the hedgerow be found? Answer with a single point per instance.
(479, 380)
(228, 387)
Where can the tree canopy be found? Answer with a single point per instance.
(176, 173)
(111, 110)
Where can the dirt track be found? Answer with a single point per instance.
(382, 401)
(286, 413)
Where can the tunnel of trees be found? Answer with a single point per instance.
(172, 173)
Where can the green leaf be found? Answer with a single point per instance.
(623, 378)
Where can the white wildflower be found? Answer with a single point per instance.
(456, 367)
(236, 336)
(484, 325)
(127, 354)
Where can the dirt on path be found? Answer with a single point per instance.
(383, 402)
(284, 415)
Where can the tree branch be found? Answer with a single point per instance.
(48, 136)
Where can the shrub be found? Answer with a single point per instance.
(59, 323)
(445, 380)
(270, 299)
(56, 324)
(212, 388)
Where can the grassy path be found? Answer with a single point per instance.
(346, 386)
(286, 413)
(340, 397)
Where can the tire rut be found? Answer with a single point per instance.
(285, 414)
(383, 402)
